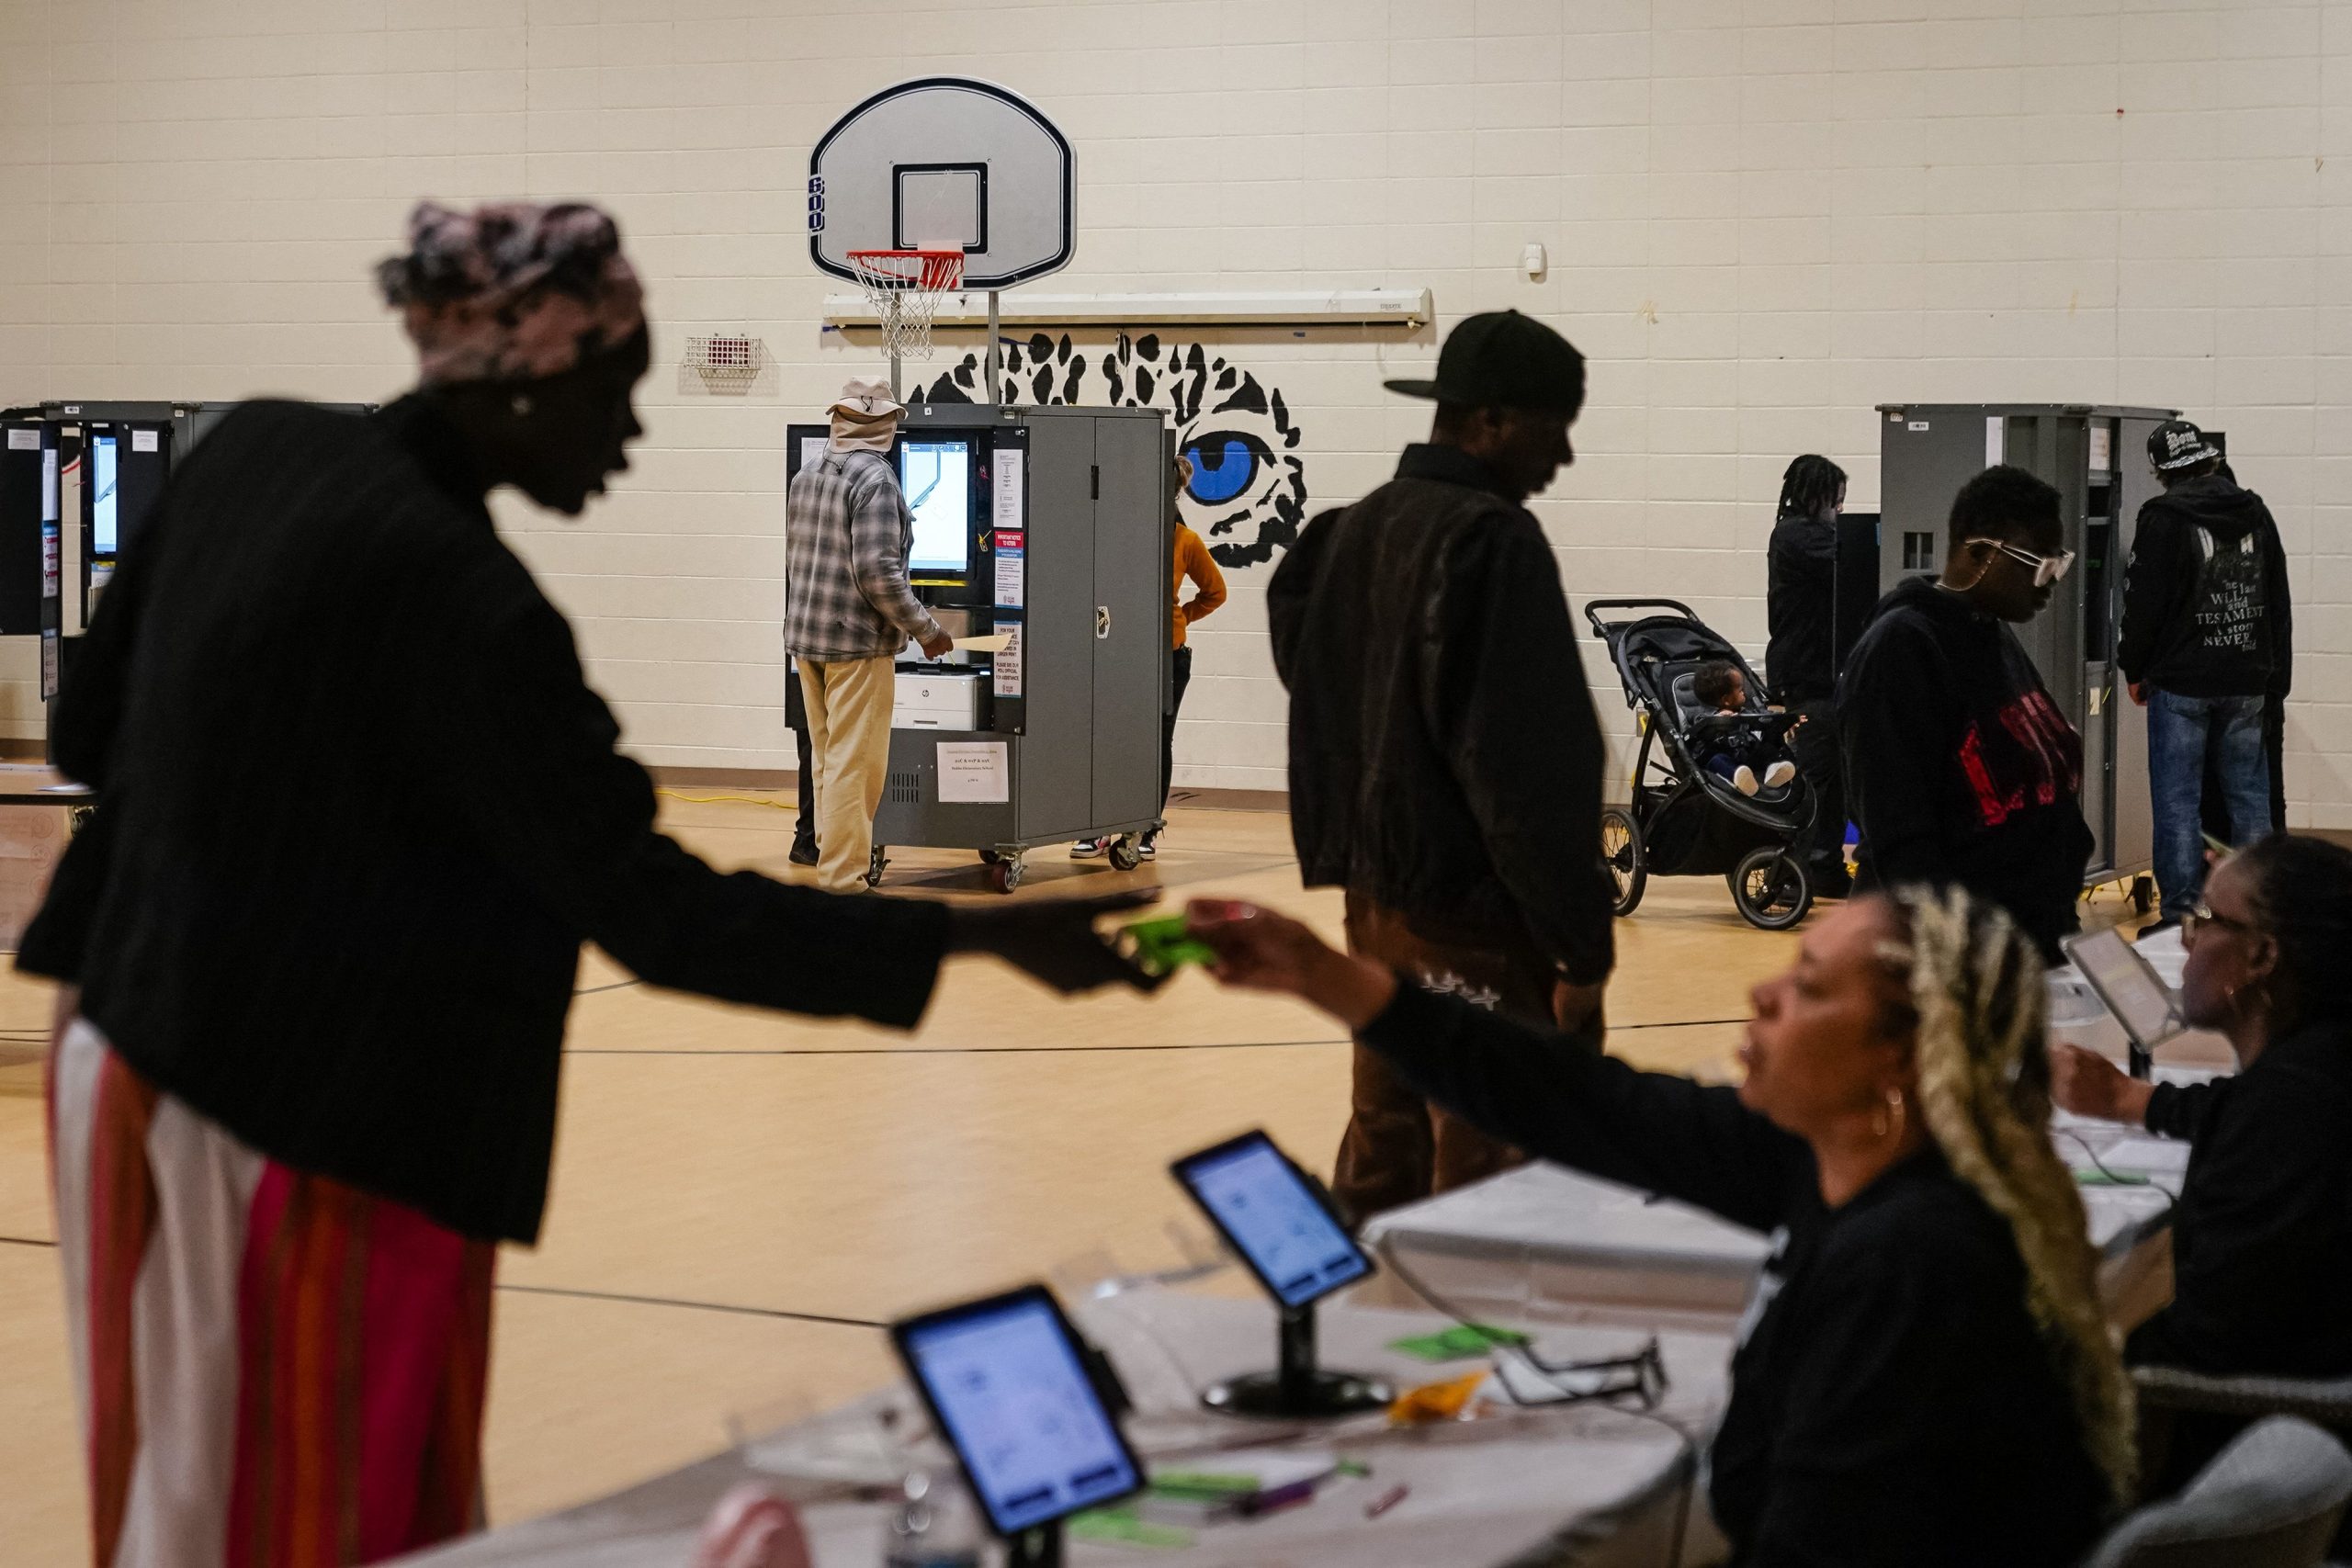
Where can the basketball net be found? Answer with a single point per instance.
(904, 289)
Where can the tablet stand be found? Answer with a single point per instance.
(1297, 1386)
(1038, 1547)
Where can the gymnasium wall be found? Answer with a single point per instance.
(1763, 217)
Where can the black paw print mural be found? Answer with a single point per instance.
(1248, 493)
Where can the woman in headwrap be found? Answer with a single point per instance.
(358, 810)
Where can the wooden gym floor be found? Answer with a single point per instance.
(741, 1198)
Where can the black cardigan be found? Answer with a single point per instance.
(2262, 1235)
(360, 808)
(1892, 1400)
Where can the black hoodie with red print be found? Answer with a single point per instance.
(1959, 766)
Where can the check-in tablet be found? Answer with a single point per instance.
(1274, 1218)
(2129, 984)
(1008, 1385)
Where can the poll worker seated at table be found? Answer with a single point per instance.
(2262, 1236)
(1923, 1376)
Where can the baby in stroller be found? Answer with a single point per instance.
(1753, 755)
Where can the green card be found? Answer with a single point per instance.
(1121, 1527)
(1163, 945)
(1458, 1343)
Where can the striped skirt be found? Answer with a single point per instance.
(275, 1369)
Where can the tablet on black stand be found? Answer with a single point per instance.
(1029, 1409)
(1281, 1224)
(2132, 989)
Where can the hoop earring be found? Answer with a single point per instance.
(1887, 1121)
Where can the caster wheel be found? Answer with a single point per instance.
(1005, 874)
(1620, 847)
(1771, 889)
(874, 865)
(990, 857)
(1126, 853)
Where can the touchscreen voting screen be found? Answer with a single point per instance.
(1006, 1381)
(1278, 1223)
(104, 512)
(936, 475)
(2132, 990)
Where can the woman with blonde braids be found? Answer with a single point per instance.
(1923, 1376)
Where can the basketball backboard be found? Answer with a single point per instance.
(938, 162)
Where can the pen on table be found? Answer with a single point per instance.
(1384, 1502)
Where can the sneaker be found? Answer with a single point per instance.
(1779, 773)
(1148, 849)
(1090, 849)
(804, 851)
(1743, 780)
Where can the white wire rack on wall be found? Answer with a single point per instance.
(725, 357)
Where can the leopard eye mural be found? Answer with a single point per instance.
(1248, 494)
(1225, 466)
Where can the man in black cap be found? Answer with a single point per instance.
(1445, 758)
(2206, 638)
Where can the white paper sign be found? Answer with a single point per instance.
(813, 448)
(2102, 447)
(975, 772)
(1011, 577)
(49, 484)
(145, 440)
(1993, 446)
(1008, 665)
(1008, 489)
(24, 440)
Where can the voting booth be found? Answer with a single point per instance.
(2096, 456)
(1049, 528)
(77, 483)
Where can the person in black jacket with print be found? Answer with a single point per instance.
(1959, 767)
(1444, 758)
(1924, 1376)
(2207, 641)
(1799, 606)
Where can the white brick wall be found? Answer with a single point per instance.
(1763, 218)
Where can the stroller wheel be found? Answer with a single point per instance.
(1620, 847)
(1771, 888)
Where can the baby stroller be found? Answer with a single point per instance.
(1684, 820)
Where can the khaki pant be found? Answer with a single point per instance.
(1400, 1147)
(849, 740)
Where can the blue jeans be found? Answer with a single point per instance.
(2182, 733)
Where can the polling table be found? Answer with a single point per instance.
(1588, 1483)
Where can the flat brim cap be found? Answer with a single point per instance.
(1502, 359)
(2176, 444)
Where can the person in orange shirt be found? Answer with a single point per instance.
(1195, 563)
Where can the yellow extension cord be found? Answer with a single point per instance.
(734, 799)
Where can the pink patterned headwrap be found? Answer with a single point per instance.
(511, 291)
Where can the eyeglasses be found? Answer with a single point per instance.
(1528, 1379)
(2202, 919)
(2047, 569)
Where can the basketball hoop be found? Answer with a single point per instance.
(904, 287)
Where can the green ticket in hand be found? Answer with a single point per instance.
(1162, 946)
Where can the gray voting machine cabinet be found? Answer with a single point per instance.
(2096, 456)
(1053, 525)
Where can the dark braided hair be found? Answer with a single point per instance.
(1810, 487)
(2302, 898)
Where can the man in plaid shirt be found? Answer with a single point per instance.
(848, 611)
